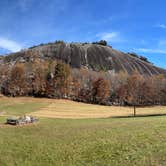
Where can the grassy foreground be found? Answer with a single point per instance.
(68, 142)
(131, 141)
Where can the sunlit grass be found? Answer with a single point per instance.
(133, 141)
(88, 141)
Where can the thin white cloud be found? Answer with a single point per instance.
(149, 50)
(162, 43)
(143, 41)
(9, 45)
(109, 36)
(101, 21)
(163, 26)
(158, 49)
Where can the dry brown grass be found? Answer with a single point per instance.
(76, 110)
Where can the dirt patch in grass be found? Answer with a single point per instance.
(23, 125)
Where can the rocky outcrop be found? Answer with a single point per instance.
(93, 56)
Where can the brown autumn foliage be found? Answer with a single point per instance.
(74, 88)
(133, 88)
(136, 91)
(57, 80)
(62, 79)
(100, 90)
(16, 85)
(38, 83)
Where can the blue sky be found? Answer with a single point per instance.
(128, 25)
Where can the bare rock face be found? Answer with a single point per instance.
(93, 56)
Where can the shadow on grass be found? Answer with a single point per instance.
(138, 116)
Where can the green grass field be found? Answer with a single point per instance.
(101, 142)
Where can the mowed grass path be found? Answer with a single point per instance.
(76, 110)
(67, 142)
(66, 109)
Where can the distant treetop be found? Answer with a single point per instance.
(139, 57)
(42, 44)
(101, 42)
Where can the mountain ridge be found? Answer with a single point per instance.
(93, 56)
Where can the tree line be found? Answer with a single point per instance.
(54, 79)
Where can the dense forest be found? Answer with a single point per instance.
(55, 79)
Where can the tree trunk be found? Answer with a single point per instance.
(134, 110)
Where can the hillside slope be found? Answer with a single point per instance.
(92, 56)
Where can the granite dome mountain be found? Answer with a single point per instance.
(94, 56)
